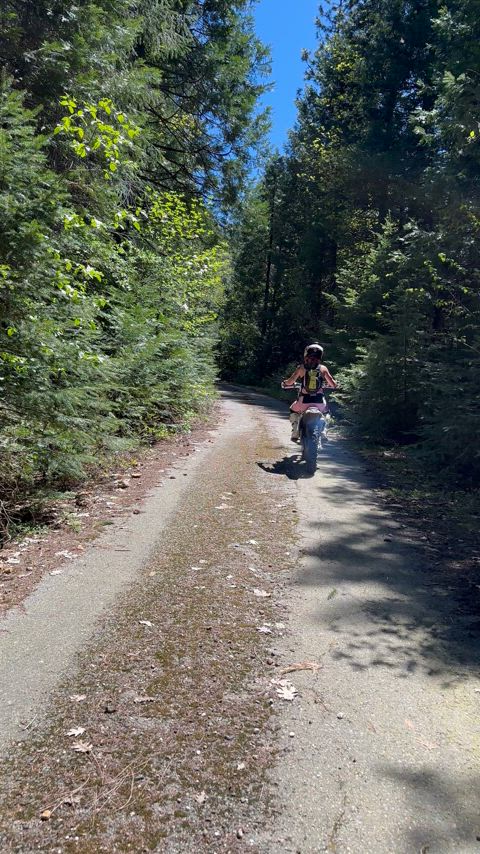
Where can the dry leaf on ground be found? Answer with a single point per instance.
(264, 630)
(146, 623)
(76, 731)
(82, 746)
(77, 698)
(285, 690)
(261, 593)
(143, 700)
(201, 798)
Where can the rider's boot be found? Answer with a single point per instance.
(295, 419)
(323, 434)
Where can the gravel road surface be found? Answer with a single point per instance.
(382, 745)
(378, 753)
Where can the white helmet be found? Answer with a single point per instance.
(315, 350)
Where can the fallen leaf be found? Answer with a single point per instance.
(409, 724)
(287, 693)
(77, 698)
(56, 572)
(332, 593)
(253, 542)
(264, 630)
(241, 766)
(302, 665)
(261, 593)
(76, 731)
(143, 700)
(146, 623)
(82, 746)
(285, 690)
(223, 507)
(201, 798)
(45, 815)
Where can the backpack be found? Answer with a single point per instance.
(313, 380)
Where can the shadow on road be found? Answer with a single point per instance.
(395, 605)
(292, 467)
(448, 808)
(420, 614)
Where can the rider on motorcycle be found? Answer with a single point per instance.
(314, 377)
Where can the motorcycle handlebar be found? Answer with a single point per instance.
(299, 385)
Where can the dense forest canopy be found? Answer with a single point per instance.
(365, 234)
(126, 132)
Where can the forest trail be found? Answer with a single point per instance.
(378, 752)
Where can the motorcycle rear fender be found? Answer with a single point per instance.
(312, 413)
(312, 419)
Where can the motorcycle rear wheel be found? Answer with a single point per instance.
(310, 440)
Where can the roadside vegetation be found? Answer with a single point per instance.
(364, 235)
(126, 131)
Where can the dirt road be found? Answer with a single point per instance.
(141, 703)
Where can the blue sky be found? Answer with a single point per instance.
(287, 26)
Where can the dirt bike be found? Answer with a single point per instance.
(311, 426)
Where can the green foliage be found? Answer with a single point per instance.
(116, 122)
(374, 227)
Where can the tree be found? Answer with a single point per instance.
(376, 220)
(124, 130)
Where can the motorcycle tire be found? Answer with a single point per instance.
(311, 438)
